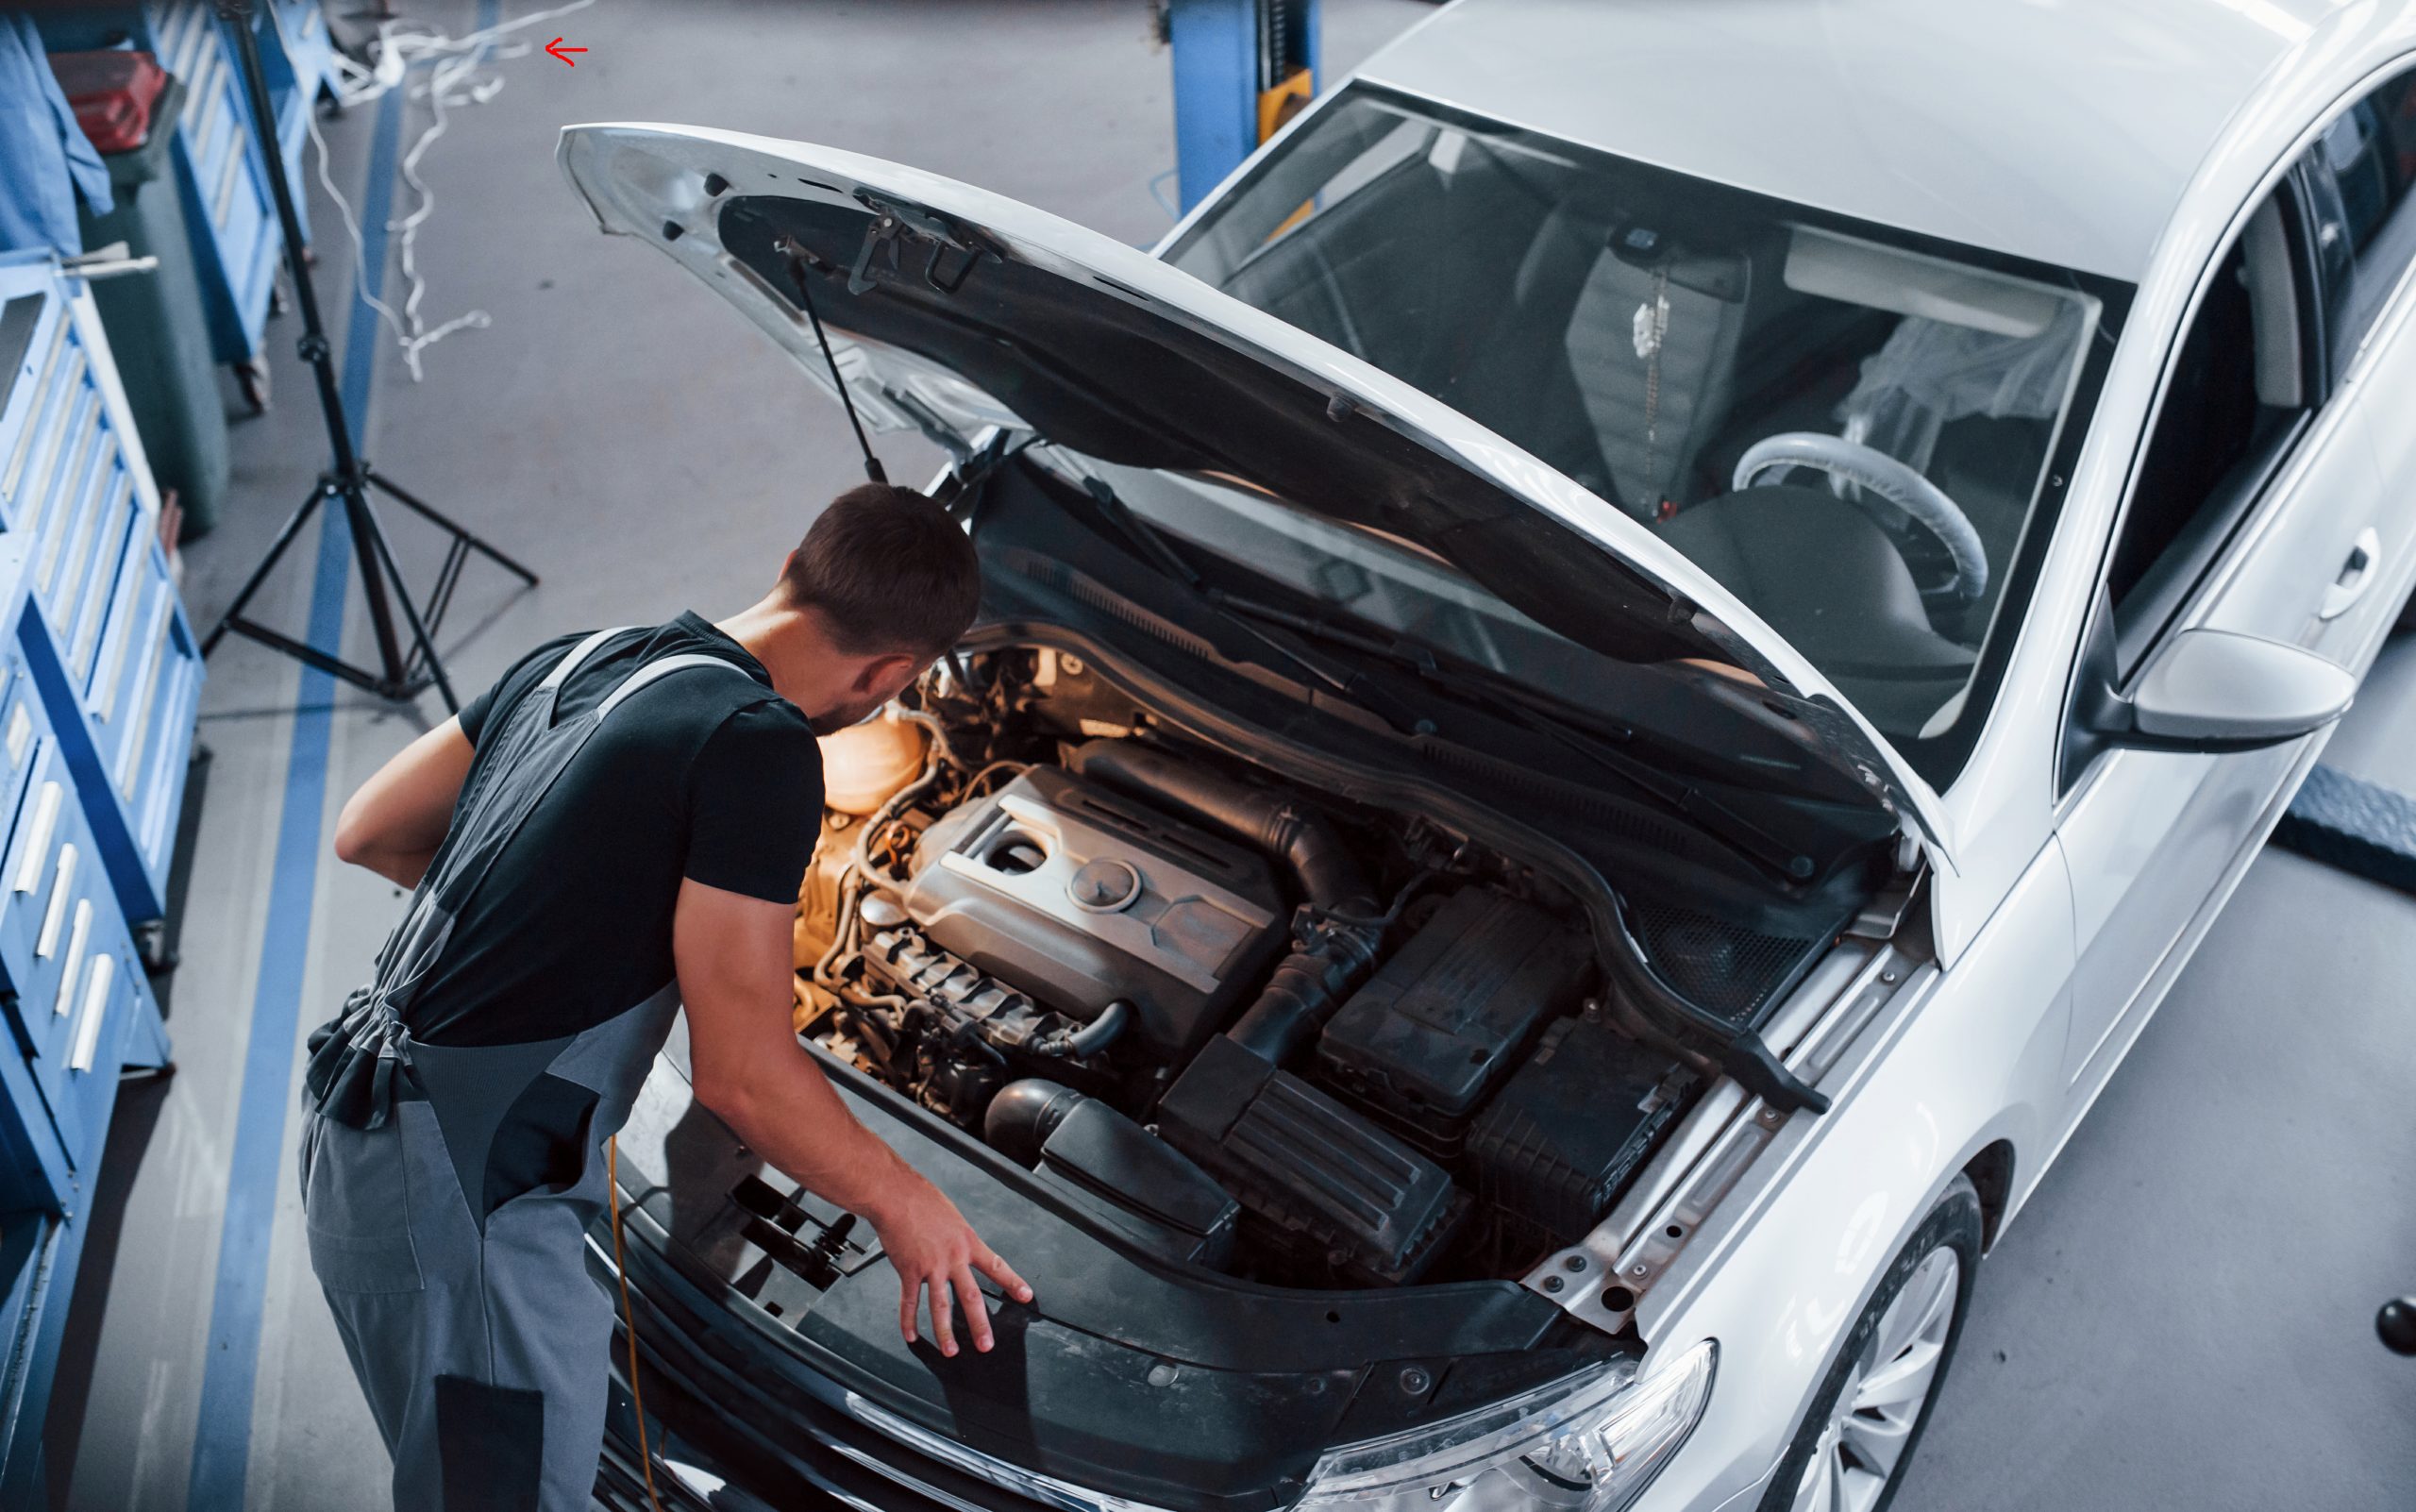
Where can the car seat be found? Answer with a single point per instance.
(1595, 403)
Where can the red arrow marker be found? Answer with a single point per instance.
(564, 53)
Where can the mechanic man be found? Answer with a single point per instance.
(617, 827)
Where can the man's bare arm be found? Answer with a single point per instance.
(396, 822)
(733, 953)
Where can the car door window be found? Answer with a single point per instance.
(2236, 395)
(2154, 838)
(2359, 176)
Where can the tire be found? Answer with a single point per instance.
(1861, 1455)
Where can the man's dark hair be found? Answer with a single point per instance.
(888, 571)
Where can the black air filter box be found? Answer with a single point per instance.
(1550, 1151)
(1332, 1190)
(1437, 1026)
(1140, 1185)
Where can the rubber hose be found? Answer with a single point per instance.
(1099, 1032)
(1024, 1114)
(1327, 875)
(1304, 989)
(1332, 957)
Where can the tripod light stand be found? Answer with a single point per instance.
(398, 674)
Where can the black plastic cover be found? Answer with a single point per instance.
(1438, 1025)
(1334, 1188)
(1554, 1147)
(1170, 1386)
(1142, 1185)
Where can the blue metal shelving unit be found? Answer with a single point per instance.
(302, 32)
(118, 662)
(224, 181)
(99, 678)
(78, 1011)
(221, 172)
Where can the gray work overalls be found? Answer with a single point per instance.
(461, 1290)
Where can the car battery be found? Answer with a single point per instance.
(1567, 1129)
(1443, 1019)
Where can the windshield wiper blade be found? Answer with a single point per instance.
(1359, 635)
(1350, 684)
(1756, 843)
(1538, 717)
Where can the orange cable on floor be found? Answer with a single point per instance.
(629, 1317)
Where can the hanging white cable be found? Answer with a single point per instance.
(455, 79)
(444, 74)
(360, 281)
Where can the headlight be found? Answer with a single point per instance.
(1590, 1443)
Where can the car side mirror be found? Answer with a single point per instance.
(2211, 690)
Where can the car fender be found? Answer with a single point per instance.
(1976, 1059)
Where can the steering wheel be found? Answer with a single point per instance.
(1876, 475)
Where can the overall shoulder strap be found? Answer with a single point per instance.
(569, 664)
(654, 670)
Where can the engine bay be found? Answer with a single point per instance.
(1244, 1024)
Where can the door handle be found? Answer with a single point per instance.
(2358, 574)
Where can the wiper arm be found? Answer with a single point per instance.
(1741, 834)
(1140, 532)
(1152, 543)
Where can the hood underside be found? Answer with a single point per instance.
(964, 308)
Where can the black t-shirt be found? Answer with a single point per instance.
(705, 774)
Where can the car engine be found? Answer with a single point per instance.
(1244, 1024)
(1089, 899)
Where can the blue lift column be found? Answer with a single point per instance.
(1242, 68)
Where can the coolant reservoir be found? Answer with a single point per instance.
(817, 900)
(864, 763)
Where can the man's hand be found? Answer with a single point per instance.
(934, 1250)
(733, 953)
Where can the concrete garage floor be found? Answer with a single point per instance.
(2181, 1318)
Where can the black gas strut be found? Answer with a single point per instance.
(797, 258)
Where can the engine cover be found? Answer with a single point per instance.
(1080, 897)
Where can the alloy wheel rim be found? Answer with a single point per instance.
(1862, 1445)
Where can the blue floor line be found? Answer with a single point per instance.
(222, 1437)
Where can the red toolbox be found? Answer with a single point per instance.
(113, 93)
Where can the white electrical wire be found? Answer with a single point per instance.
(454, 77)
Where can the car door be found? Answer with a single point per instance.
(2253, 485)
(2358, 177)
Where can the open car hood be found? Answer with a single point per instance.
(964, 310)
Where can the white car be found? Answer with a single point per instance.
(1609, 689)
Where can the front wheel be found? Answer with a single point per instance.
(1851, 1450)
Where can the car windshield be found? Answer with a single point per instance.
(1861, 433)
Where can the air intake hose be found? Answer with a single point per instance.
(1327, 875)
(1328, 959)
(1335, 944)
(1024, 1114)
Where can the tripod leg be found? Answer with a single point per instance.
(373, 583)
(476, 544)
(410, 611)
(251, 585)
(440, 598)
